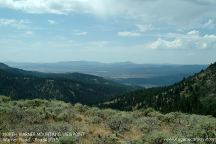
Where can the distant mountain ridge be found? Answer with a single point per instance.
(3, 66)
(195, 94)
(146, 75)
(69, 87)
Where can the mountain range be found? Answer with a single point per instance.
(145, 75)
(194, 94)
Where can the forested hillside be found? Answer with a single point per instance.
(69, 87)
(195, 94)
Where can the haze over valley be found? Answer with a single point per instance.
(145, 75)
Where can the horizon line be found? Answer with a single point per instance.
(101, 62)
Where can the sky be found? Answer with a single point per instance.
(140, 31)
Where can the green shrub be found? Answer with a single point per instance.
(169, 118)
(99, 114)
(4, 99)
(96, 120)
(81, 108)
(34, 116)
(67, 114)
(151, 112)
(157, 137)
(135, 142)
(106, 140)
(17, 114)
(108, 113)
(33, 103)
(67, 140)
(119, 123)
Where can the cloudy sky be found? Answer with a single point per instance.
(141, 31)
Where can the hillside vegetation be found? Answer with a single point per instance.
(96, 126)
(195, 94)
(69, 87)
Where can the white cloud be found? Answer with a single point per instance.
(128, 34)
(191, 40)
(20, 24)
(52, 22)
(209, 24)
(29, 33)
(144, 28)
(156, 11)
(140, 29)
(161, 43)
(7, 21)
(97, 44)
(56, 6)
(204, 1)
(193, 32)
